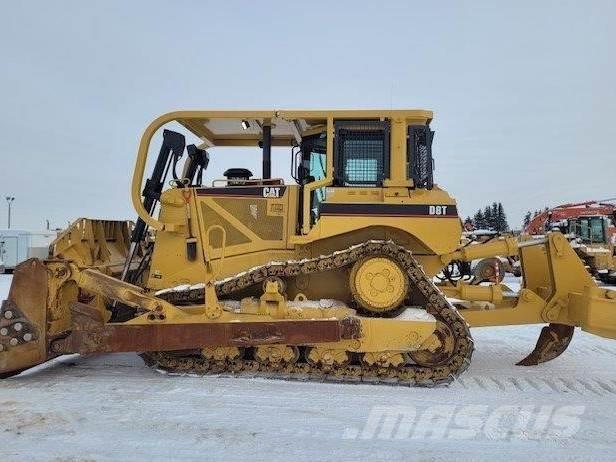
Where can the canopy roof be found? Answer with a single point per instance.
(244, 128)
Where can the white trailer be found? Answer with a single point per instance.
(19, 245)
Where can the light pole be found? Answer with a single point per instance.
(9, 200)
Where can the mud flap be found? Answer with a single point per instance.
(23, 320)
(553, 341)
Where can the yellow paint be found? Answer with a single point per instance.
(235, 234)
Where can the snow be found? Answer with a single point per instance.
(415, 314)
(595, 249)
(112, 407)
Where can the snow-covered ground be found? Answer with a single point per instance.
(112, 407)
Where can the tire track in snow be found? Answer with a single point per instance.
(548, 385)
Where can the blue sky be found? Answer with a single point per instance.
(524, 93)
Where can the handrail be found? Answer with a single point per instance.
(140, 162)
(185, 116)
(247, 183)
(144, 146)
(223, 244)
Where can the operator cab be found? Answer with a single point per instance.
(361, 158)
(589, 229)
(333, 153)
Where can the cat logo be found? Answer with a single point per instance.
(271, 192)
(437, 210)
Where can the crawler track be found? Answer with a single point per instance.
(408, 374)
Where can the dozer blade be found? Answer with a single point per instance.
(552, 342)
(23, 322)
(36, 312)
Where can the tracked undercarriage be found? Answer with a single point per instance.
(450, 358)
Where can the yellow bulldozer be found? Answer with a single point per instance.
(328, 278)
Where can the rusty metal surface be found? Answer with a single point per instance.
(350, 328)
(91, 335)
(552, 342)
(23, 319)
(29, 288)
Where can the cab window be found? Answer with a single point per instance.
(317, 171)
(310, 165)
(590, 230)
(361, 152)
